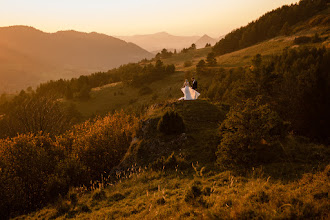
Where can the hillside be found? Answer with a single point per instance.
(106, 98)
(190, 187)
(119, 145)
(64, 54)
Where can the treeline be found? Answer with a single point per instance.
(35, 169)
(295, 85)
(131, 74)
(272, 24)
(30, 112)
(41, 110)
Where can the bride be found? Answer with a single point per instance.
(189, 93)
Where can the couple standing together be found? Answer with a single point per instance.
(190, 93)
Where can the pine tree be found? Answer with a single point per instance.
(211, 61)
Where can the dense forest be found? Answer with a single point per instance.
(277, 22)
(295, 84)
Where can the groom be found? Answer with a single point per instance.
(194, 83)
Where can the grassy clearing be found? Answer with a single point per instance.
(159, 195)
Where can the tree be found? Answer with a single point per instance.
(33, 114)
(200, 67)
(256, 61)
(170, 68)
(171, 123)
(286, 30)
(84, 93)
(68, 93)
(159, 67)
(3, 98)
(211, 61)
(250, 135)
(193, 47)
(207, 45)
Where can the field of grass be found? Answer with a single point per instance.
(147, 194)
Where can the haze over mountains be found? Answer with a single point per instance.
(158, 41)
(29, 56)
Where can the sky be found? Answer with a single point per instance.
(131, 17)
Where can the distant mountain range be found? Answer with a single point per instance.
(29, 56)
(156, 42)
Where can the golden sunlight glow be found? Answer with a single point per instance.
(129, 17)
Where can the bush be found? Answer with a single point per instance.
(302, 40)
(194, 195)
(101, 144)
(250, 136)
(85, 208)
(171, 123)
(145, 90)
(27, 173)
(117, 197)
(99, 195)
(170, 163)
(187, 63)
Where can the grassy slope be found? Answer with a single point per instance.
(103, 99)
(148, 194)
(157, 195)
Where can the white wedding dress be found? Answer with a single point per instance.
(189, 93)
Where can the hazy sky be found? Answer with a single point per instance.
(129, 17)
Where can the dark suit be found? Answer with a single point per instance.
(194, 85)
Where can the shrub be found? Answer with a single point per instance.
(187, 63)
(99, 195)
(85, 208)
(117, 197)
(154, 97)
(194, 195)
(73, 199)
(171, 123)
(194, 192)
(170, 163)
(73, 171)
(27, 173)
(62, 208)
(250, 136)
(100, 144)
(145, 90)
(161, 201)
(302, 40)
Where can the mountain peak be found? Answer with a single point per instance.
(205, 39)
(163, 33)
(205, 36)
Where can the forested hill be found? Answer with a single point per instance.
(280, 21)
(64, 54)
(255, 145)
